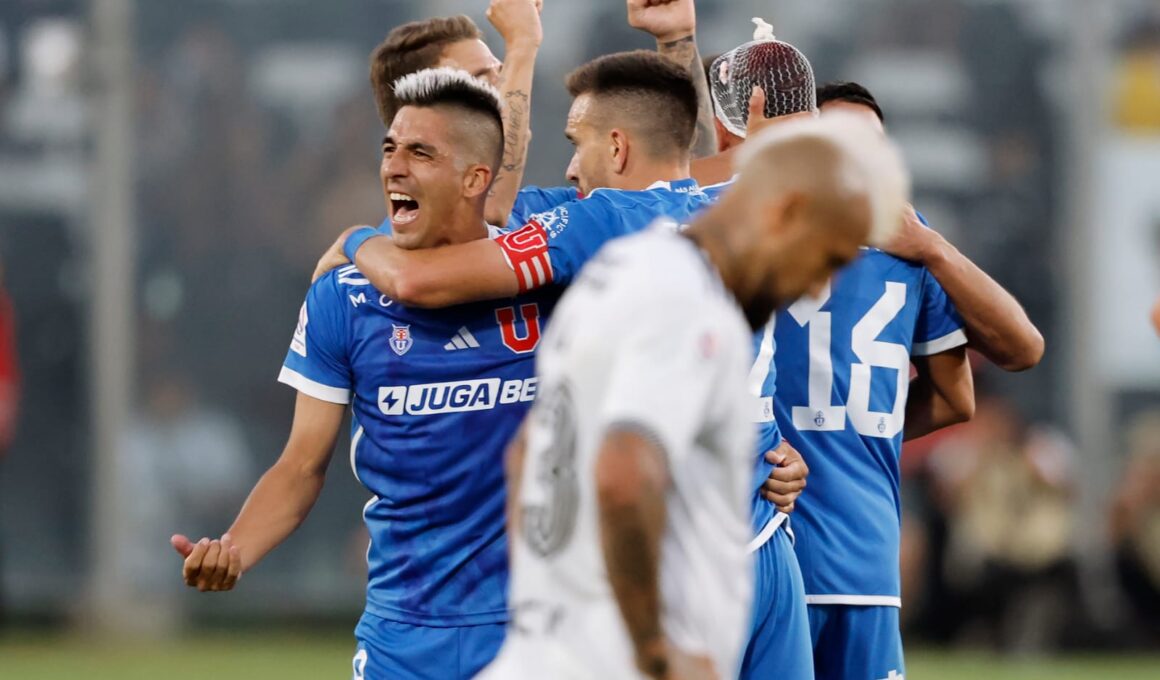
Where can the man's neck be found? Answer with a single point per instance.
(465, 227)
(650, 173)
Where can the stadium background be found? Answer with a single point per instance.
(170, 171)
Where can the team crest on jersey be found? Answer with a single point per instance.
(401, 339)
(553, 221)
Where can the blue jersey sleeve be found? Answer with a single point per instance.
(939, 326)
(554, 245)
(385, 227)
(318, 363)
(533, 200)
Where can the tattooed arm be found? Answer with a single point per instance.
(518, 21)
(674, 24)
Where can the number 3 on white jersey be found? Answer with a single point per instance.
(822, 416)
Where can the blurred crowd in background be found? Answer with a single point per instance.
(257, 142)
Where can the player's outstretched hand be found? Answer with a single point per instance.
(517, 21)
(210, 565)
(665, 20)
(914, 240)
(1156, 315)
(787, 480)
(333, 258)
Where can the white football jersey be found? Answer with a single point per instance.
(649, 339)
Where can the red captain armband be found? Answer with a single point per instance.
(526, 252)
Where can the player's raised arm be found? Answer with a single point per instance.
(278, 503)
(674, 25)
(996, 324)
(518, 22)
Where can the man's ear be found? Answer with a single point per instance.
(618, 149)
(476, 180)
(783, 212)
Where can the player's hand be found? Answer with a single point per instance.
(333, 258)
(209, 565)
(665, 20)
(757, 120)
(914, 241)
(787, 480)
(517, 21)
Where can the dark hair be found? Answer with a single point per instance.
(849, 92)
(413, 47)
(656, 92)
(454, 88)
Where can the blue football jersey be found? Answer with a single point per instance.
(554, 245)
(763, 384)
(843, 363)
(436, 396)
(529, 201)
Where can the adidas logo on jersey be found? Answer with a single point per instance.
(463, 339)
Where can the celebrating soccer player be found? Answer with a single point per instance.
(435, 396)
(630, 503)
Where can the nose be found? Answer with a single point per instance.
(393, 166)
(573, 171)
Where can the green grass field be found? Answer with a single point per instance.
(249, 656)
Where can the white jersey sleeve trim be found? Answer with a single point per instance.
(766, 532)
(856, 600)
(335, 395)
(951, 340)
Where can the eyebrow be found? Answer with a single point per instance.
(410, 146)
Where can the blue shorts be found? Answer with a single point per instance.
(390, 650)
(856, 642)
(779, 644)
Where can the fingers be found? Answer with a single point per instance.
(181, 544)
(191, 570)
(757, 104)
(209, 567)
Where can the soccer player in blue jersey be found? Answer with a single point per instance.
(435, 396)
(846, 400)
(779, 643)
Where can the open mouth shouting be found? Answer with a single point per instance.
(404, 208)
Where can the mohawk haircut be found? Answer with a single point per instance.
(851, 93)
(413, 47)
(778, 67)
(453, 88)
(656, 94)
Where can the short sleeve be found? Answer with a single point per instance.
(553, 246)
(666, 371)
(533, 200)
(939, 326)
(317, 363)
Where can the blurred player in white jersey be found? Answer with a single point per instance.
(629, 491)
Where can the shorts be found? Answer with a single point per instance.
(779, 643)
(392, 650)
(856, 642)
